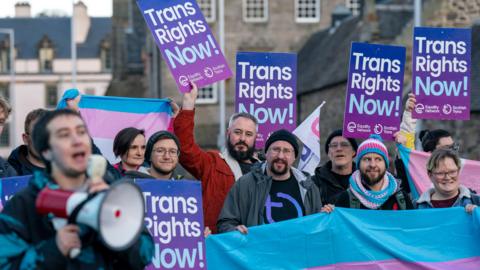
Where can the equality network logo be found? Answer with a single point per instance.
(419, 108)
(351, 126)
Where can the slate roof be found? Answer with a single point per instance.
(30, 31)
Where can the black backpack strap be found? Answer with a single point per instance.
(354, 201)
(475, 199)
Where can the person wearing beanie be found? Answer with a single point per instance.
(371, 185)
(273, 191)
(162, 153)
(332, 178)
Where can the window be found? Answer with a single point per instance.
(208, 95)
(45, 55)
(208, 9)
(255, 10)
(307, 11)
(5, 56)
(5, 90)
(354, 6)
(51, 96)
(5, 136)
(106, 55)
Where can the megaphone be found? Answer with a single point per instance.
(117, 214)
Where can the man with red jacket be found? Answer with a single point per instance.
(217, 171)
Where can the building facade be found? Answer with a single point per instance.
(43, 65)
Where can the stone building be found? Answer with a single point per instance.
(250, 25)
(386, 22)
(43, 63)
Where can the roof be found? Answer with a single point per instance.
(324, 59)
(29, 32)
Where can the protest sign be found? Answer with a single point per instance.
(174, 218)
(266, 88)
(373, 103)
(441, 73)
(185, 41)
(11, 185)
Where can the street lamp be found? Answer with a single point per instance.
(11, 33)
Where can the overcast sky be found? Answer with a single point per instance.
(96, 8)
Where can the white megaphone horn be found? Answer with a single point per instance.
(117, 214)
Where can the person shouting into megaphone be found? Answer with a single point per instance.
(34, 241)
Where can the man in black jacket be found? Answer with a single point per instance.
(29, 240)
(332, 177)
(24, 158)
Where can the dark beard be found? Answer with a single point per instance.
(371, 182)
(160, 171)
(282, 172)
(240, 155)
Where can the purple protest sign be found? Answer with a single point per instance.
(185, 41)
(174, 218)
(11, 185)
(375, 82)
(266, 86)
(441, 73)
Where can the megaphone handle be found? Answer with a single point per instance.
(74, 252)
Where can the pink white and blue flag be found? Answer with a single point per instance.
(106, 116)
(415, 163)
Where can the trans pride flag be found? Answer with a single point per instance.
(353, 239)
(106, 116)
(415, 163)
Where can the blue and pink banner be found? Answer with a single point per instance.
(352, 239)
(415, 163)
(174, 218)
(441, 73)
(374, 92)
(185, 41)
(106, 116)
(266, 87)
(11, 185)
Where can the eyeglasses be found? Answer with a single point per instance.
(443, 175)
(454, 147)
(285, 151)
(341, 145)
(162, 151)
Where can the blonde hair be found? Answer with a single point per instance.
(5, 106)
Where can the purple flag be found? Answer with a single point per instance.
(375, 82)
(185, 41)
(266, 88)
(441, 73)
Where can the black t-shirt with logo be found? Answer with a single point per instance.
(284, 201)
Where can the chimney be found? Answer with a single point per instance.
(22, 10)
(81, 21)
(370, 19)
(340, 13)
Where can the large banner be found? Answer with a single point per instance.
(11, 185)
(415, 163)
(266, 86)
(185, 41)
(374, 91)
(353, 239)
(174, 217)
(309, 133)
(441, 73)
(106, 116)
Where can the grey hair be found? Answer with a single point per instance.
(441, 154)
(235, 116)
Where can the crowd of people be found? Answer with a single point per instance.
(239, 188)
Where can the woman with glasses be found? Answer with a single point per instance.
(443, 168)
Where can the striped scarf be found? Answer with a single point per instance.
(370, 198)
